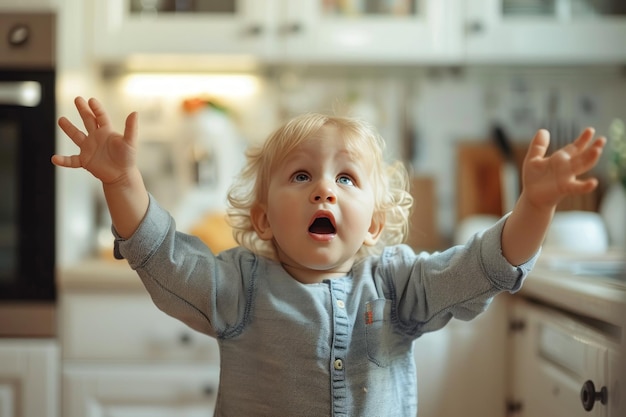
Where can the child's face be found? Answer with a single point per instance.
(320, 208)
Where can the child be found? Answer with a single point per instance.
(316, 312)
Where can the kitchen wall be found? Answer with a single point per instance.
(422, 112)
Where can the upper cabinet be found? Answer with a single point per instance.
(545, 31)
(123, 28)
(365, 31)
(373, 31)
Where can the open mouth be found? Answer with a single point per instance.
(322, 226)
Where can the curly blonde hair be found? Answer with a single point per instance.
(393, 201)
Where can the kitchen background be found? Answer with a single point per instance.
(425, 89)
(436, 77)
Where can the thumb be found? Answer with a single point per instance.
(539, 145)
(131, 129)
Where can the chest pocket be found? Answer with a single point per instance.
(379, 335)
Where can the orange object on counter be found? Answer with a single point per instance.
(215, 232)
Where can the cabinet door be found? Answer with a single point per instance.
(29, 374)
(139, 391)
(123, 28)
(461, 368)
(372, 31)
(545, 31)
(552, 357)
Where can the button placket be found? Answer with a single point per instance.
(340, 347)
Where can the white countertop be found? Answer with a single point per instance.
(99, 274)
(576, 289)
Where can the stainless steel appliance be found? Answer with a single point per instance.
(27, 180)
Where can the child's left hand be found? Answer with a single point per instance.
(547, 180)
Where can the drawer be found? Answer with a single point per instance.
(139, 390)
(127, 326)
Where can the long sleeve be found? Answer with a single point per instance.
(209, 293)
(427, 290)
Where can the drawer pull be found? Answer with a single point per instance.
(185, 339)
(208, 390)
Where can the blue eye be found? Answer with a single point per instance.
(300, 177)
(345, 180)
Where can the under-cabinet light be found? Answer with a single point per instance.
(177, 84)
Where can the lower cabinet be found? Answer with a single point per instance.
(29, 378)
(462, 368)
(172, 390)
(122, 357)
(563, 365)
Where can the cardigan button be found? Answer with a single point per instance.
(338, 364)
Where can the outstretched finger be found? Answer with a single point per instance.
(86, 114)
(583, 186)
(66, 161)
(131, 128)
(589, 157)
(583, 140)
(102, 118)
(72, 131)
(539, 145)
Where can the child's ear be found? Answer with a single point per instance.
(260, 222)
(375, 230)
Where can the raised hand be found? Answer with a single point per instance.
(108, 155)
(548, 179)
(111, 158)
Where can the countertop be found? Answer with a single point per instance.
(589, 285)
(598, 297)
(98, 274)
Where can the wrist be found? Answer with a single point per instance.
(129, 180)
(527, 204)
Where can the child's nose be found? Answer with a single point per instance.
(323, 193)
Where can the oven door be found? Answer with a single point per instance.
(27, 206)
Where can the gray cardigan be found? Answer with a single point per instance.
(342, 347)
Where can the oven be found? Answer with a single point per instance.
(27, 177)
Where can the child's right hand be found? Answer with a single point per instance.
(108, 155)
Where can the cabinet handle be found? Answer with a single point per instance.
(589, 395)
(291, 28)
(475, 27)
(185, 339)
(208, 390)
(253, 30)
(517, 325)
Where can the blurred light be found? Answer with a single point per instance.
(353, 39)
(177, 84)
(20, 93)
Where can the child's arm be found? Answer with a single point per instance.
(545, 182)
(110, 157)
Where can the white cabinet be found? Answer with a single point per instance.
(419, 31)
(545, 32)
(283, 30)
(130, 390)
(553, 356)
(29, 378)
(121, 28)
(365, 31)
(461, 369)
(29, 5)
(122, 357)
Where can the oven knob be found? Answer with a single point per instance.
(589, 395)
(19, 35)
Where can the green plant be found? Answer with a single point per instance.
(617, 148)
